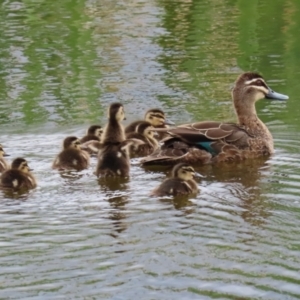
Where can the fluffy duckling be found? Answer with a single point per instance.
(91, 141)
(18, 176)
(181, 182)
(113, 156)
(144, 132)
(156, 117)
(94, 133)
(72, 157)
(3, 163)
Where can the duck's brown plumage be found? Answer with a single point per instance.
(225, 142)
(113, 156)
(156, 117)
(145, 134)
(94, 133)
(18, 177)
(180, 183)
(3, 163)
(72, 157)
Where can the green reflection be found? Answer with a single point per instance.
(48, 56)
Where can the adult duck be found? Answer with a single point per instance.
(212, 142)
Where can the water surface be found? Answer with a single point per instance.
(61, 65)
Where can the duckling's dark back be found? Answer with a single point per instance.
(172, 187)
(15, 179)
(113, 161)
(71, 158)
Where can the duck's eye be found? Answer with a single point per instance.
(259, 82)
(151, 118)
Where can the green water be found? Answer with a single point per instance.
(61, 64)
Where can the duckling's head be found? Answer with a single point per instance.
(156, 117)
(116, 111)
(71, 142)
(2, 152)
(21, 165)
(250, 87)
(183, 171)
(146, 129)
(96, 130)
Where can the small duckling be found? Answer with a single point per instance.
(94, 133)
(156, 117)
(114, 159)
(91, 141)
(18, 176)
(181, 182)
(72, 157)
(145, 133)
(3, 164)
(113, 156)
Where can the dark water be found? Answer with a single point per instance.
(61, 64)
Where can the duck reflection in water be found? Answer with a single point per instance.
(244, 181)
(115, 191)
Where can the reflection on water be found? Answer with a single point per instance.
(61, 64)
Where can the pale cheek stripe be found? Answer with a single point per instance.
(255, 79)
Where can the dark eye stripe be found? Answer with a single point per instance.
(158, 116)
(259, 82)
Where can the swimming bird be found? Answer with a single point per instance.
(145, 134)
(72, 157)
(3, 164)
(181, 182)
(91, 141)
(212, 141)
(113, 156)
(156, 117)
(18, 177)
(94, 133)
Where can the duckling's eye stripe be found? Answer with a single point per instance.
(157, 116)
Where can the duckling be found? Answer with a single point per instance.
(145, 133)
(156, 117)
(72, 157)
(113, 156)
(18, 176)
(94, 133)
(91, 141)
(3, 163)
(181, 182)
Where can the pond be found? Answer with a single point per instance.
(61, 64)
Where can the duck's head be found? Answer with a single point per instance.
(156, 117)
(116, 111)
(183, 171)
(21, 165)
(2, 152)
(146, 129)
(71, 142)
(250, 87)
(96, 130)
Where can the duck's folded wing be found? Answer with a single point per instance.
(201, 132)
